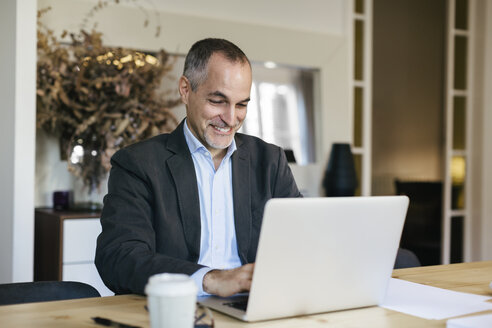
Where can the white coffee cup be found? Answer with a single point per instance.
(171, 300)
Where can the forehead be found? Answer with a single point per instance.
(222, 72)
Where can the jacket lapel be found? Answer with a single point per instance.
(183, 172)
(242, 199)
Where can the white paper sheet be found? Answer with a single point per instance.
(477, 321)
(431, 302)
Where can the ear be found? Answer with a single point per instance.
(184, 88)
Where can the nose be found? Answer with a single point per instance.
(229, 115)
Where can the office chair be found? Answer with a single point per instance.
(422, 231)
(406, 259)
(40, 291)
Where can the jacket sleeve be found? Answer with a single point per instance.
(285, 185)
(126, 248)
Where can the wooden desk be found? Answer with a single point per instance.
(465, 277)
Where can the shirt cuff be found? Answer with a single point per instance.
(198, 278)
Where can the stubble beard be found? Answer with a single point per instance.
(209, 137)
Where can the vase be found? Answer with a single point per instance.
(85, 163)
(340, 177)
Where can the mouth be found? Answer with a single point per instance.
(222, 130)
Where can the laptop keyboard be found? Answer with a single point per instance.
(241, 304)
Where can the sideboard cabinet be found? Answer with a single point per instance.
(65, 246)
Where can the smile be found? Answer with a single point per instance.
(226, 129)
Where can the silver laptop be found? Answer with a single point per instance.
(320, 254)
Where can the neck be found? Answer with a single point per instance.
(217, 156)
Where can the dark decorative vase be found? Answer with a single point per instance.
(340, 177)
(84, 161)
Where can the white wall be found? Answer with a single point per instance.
(122, 26)
(7, 71)
(17, 91)
(308, 16)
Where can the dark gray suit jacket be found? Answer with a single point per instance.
(151, 215)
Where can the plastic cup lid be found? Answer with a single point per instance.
(171, 284)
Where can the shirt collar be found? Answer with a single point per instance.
(195, 145)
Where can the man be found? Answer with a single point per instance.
(192, 201)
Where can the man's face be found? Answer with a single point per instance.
(216, 110)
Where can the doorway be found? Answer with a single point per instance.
(408, 121)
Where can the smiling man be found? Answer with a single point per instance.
(216, 108)
(192, 201)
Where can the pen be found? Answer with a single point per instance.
(111, 323)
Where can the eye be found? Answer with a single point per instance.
(242, 105)
(216, 101)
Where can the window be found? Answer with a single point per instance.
(281, 109)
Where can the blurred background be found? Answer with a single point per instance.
(404, 83)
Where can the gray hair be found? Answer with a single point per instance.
(195, 69)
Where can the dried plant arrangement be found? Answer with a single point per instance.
(96, 99)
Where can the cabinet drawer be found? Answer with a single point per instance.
(79, 239)
(87, 273)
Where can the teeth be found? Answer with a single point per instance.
(223, 129)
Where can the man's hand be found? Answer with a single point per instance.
(229, 282)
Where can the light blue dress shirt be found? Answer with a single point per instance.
(218, 244)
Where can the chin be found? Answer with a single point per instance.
(219, 144)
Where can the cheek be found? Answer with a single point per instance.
(202, 112)
(241, 115)
(209, 112)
